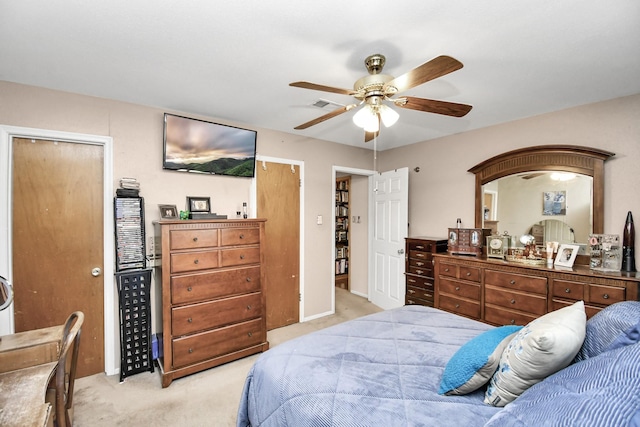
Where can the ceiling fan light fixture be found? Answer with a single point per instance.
(388, 115)
(367, 119)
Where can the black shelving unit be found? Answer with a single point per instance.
(134, 290)
(130, 235)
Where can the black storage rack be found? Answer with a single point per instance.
(134, 290)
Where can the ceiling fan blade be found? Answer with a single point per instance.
(433, 106)
(430, 70)
(327, 116)
(313, 86)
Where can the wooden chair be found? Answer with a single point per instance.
(60, 391)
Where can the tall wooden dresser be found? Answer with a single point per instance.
(419, 268)
(213, 304)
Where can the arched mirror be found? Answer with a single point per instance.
(6, 293)
(552, 192)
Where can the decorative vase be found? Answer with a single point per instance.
(628, 245)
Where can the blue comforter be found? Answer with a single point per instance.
(380, 370)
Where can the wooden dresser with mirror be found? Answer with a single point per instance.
(504, 292)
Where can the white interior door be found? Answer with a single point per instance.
(391, 199)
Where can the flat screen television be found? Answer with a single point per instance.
(192, 145)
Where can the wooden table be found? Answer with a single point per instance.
(22, 396)
(30, 348)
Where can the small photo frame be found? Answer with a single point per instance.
(567, 255)
(199, 204)
(168, 212)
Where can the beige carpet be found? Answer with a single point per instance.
(208, 398)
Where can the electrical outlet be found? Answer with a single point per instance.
(151, 247)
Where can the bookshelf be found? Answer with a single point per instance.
(342, 232)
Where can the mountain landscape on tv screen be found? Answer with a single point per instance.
(224, 166)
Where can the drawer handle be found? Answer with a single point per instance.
(468, 274)
(195, 239)
(419, 247)
(420, 271)
(249, 307)
(195, 261)
(419, 255)
(457, 288)
(248, 279)
(190, 320)
(419, 264)
(411, 280)
(190, 350)
(567, 291)
(446, 269)
(513, 322)
(242, 256)
(605, 296)
(249, 334)
(411, 291)
(189, 289)
(513, 282)
(242, 236)
(513, 301)
(457, 305)
(410, 301)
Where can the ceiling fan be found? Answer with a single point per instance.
(376, 89)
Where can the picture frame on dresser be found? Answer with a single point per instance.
(566, 255)
(168, 211)
(199, 204)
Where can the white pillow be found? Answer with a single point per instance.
(543, 347)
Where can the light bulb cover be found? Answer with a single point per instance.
(388, 115)
(367, 119)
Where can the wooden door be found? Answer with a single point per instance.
(58, 240)
(278, 200)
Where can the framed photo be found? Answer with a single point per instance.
(567, 255)
(168, 212)
(554, 203)
(199, 204)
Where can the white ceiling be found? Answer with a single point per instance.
(233, 60)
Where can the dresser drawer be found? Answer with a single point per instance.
(239, 236)
(193, 261)
(421, 271)
(421, 262)
(240, 256)
(514, 300)
(420, 256)
(193, 239)
(460, 306)
(607, 295)
(410, 300)
(470, 273)
(518, 282)
(449, 270)
(421, 282)
(415, 292)
(502, 316)
(591, 310)
(204, 286)
(207, 315)
(205, 345)
(466, 290)
(568, 289)
(422, 247)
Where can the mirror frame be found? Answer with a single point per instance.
(568, 158)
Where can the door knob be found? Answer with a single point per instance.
(96, 272)
(400, 251)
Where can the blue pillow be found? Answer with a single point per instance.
(601, 391)
(613, 326)
(474, 363)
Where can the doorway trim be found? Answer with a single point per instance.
(253, 200)
(7, 133)
(353, 171)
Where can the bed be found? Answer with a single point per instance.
(385, 370)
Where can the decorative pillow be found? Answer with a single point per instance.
(474, 363)
(599, 392)
(608, 326)
(544, 346)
